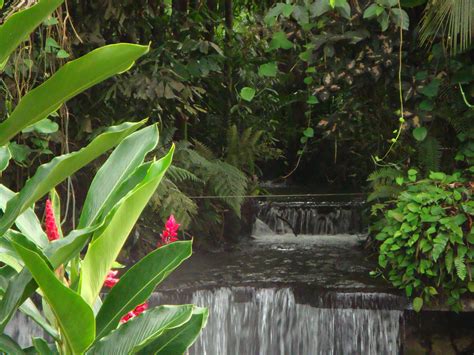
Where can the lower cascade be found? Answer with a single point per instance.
(269, 321)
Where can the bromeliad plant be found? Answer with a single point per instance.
(52, 264)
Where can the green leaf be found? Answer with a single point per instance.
(62, 54)
(470, 286)
(178, 340)
(29, 308)
(268, 69)
(440, 243)
(77, 327)
(279, 40)
(319, 7)
(142, 330)
(27, 222)
(5, 157)
(371, 11)
(400, 18)
(312, 100)
(332, 3)
(137, 284)
(308, 80)
(461, 269)
(431, 90)
(71, 79)
(20, 152)
(426, 105)
(128, 155)
(287, 10)
(420, 133)
(49, 175)
(18, 26)
(417, 304)
(42, 347)
(437, 176)
(108, 242)
(309, 132)
(247, 94)
(45, 126)
(9, 346)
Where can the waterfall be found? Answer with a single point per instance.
(309, 217)
(269, 321)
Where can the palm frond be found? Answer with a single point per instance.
(451, 19)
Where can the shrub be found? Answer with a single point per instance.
(426, 238)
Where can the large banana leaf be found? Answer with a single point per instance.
(140, 331)
(49, 175)
(27, 222)
(106, 245)
(9, 346)
(5, 156)
(125, 187)
(178, 340)
(137, 284)
(129, 154)
(18, 26)
(22, 285)
(75, 318)
(71, 79)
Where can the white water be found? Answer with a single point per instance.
(272, 323)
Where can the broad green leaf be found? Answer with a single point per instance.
(332, 3)
(49, 175)
(137, 284)
(417, 304)
(42, 347)
(401, 18)
(470, 286)
(431, 90)
(247, 93)
(440, 176)
(58, 252)
(268, 69)
(319, 7)
(71, 79)
(287, 10)
(27, 222)
(29, 308)
(74, 316)
(108, 242)
(178, 340)
(371, 11)
(9, 346)
(5, 157)
(142, 330)
(45, 126)
(312, 100)
(128, 155)
(420, 133)
(62, 54)
(125, 187)
(279, 40)
(308, 132)
(19, 26)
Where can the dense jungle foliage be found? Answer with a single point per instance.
(336, 94)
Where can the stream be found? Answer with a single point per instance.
(301, 286)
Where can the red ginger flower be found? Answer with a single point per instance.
(169, 235)
(132, 314)
(50, 222)
(111, 280)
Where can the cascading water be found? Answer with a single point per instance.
(270, 321)
(309, 217)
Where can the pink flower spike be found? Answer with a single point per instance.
(169, 235)
(111, 280)
(50, 222)
(140, 308)
(171, 225)
(127, 317)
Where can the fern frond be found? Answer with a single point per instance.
(429, 154)
(203, 150)
(178, 175)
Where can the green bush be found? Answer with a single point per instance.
(426, 238)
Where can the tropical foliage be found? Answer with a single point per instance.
(51, 263)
